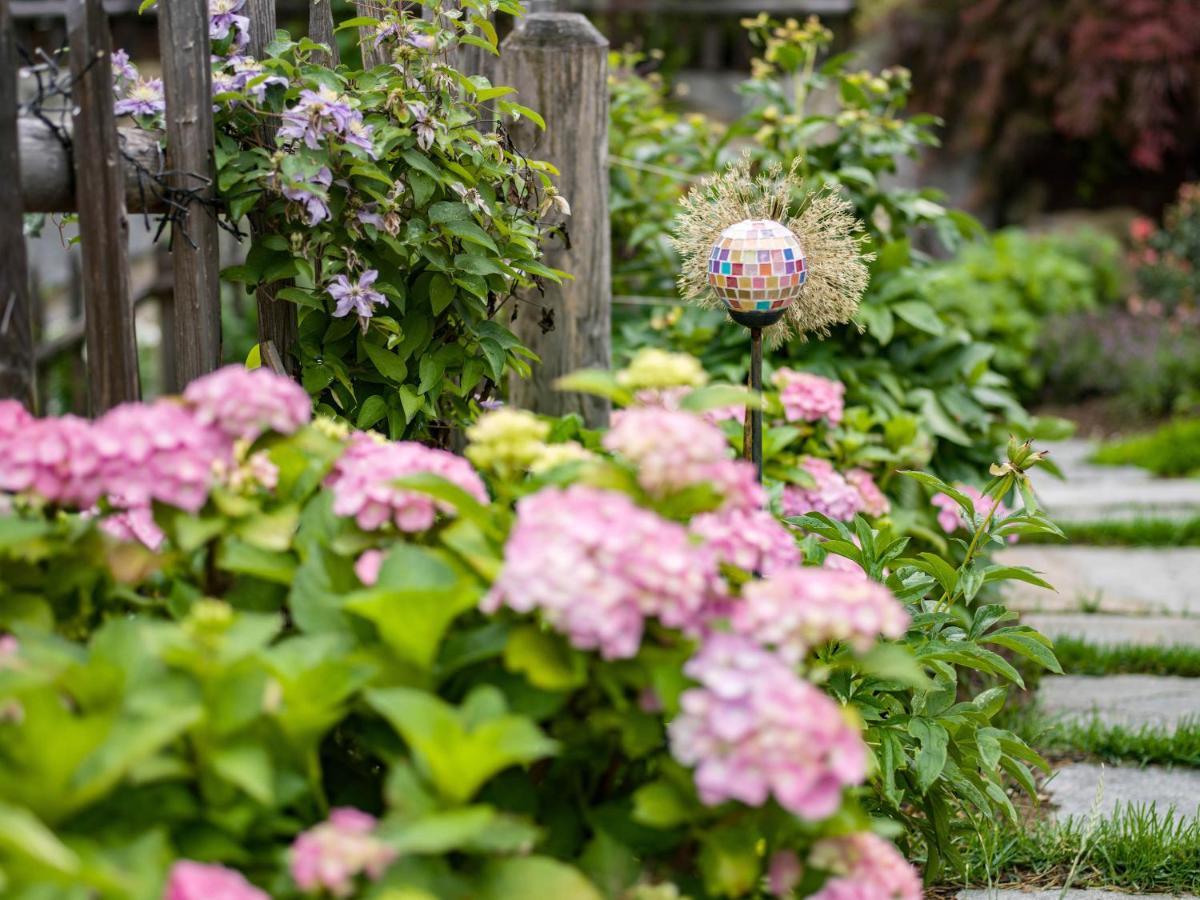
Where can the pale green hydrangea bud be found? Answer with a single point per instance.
(507, 441)
(654, 368)
(559, 455)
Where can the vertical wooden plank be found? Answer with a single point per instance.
(103, 227)
(17, 367)
(276, 318)
(320, 29)
(372, 56)
(187, 86)
(558, 63)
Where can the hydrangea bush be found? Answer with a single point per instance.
(387, 204)
(342, 666)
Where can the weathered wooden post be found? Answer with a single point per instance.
(17, 366)
(558, 62)
(320, 29)
(191, 163)
(100, 201)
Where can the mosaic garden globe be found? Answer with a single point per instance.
(757, 268)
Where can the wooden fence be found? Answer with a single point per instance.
(103, 172)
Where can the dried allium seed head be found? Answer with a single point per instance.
(828, 231)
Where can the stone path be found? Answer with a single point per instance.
(1139, 580)
(1134, 701)
(1100, 629)
(1094, 493)
(1080, 790)
(1069, 895)
(1109, 596)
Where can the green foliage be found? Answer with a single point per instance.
(1140, 850)
(1004, 290)
(918, 372)
(1171, 451)
(1148, 745)
(1079, 657)
(1132, 533)
(1168, 257)
(214, 697)
(938, 752)
(441, 207)
(653, 153)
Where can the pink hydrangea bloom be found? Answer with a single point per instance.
(874, 502)
(245, 403)
(751, 539)
(754, 729)
(136, 524)
(674, 450)
(950, 514)
(810, 398)
(368, 565)
(783, 872)
(13, 419)
(330, 856)
(668, 398)
(596, 565)
(864, 867)
(55, 459)
(362, 483)
(158, 451)
(200, 881)
(802, 608)
(832, 496)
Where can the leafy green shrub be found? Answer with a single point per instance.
(328, 661)
(387, 205)
(652, 149)
(920, 374)
(1172, 450)
(1168, 258)
(1004, 291)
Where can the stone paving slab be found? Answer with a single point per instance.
(1137, 580)
(1077, 788)
(1094, 493)
(1056, 893)
(1134, 701)
(1104, 630)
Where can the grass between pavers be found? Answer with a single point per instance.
(1172, 450)
(1144, 532)
(1079, 657)
(1135, 850)
(1148, 745)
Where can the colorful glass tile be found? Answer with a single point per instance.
(757, 265)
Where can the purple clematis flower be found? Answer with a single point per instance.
(247, 69)
(312, 195)
(222, 18)
(357, 298)
(359, 135)
(145, 98)
(319, 113)
(122, 68)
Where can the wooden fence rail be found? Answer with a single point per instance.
(556, 60)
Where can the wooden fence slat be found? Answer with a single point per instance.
(558, 62)
(187, 85)
(320, 29)
(372, 56)
(100, 199)
(276, 318)
(16, 319)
